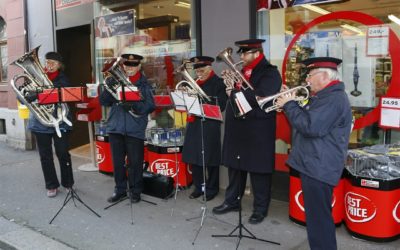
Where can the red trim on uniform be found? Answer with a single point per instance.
(53, 75)
(190, 118)
(201, 82)
(323, 65)
(258, 45)
(248, 69)
(332, 83)
(203, 62)
(135, 78)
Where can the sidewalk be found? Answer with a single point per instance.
(25, 212)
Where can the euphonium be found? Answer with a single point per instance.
(263, 100)
(115, 70)
(230, 78)
(37, 81)
(190, 84)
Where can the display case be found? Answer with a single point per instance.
(372, 192)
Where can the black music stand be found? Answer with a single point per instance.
(129, 196)
(197, 102)
(72, 195)
(240, 227)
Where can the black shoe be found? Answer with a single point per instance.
(256, 218)
(195, 194)
(116, 197)
(224, 208)
(210, 196)
(135, 198)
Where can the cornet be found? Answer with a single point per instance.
(230, 78)
(263, 100)
(190, 84)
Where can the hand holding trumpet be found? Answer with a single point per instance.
(285, 97)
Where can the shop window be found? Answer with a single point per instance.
(3, 51)
(367, 76)
(163, 33)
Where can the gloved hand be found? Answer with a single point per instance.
(31, 96)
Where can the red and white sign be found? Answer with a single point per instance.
(378, 41)
(396, 212)
(359, 208)
(164, 167)
(100, 154)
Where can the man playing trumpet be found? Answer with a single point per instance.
(321, 131)
(249, 142)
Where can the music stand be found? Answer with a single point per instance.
(129, 196)
(72, 195)
(194, 106)
(240, 227)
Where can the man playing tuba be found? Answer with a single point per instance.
(249, 142)
(208, 141)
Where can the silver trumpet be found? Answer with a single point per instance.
(189, 84)
(36, 80)
(299, 98)
(235, 75)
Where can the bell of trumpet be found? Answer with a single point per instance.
(234, 76)
(300, 97)
(189, 84)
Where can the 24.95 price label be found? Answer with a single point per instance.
(390, 103)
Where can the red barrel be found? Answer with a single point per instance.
(296, 203)
(372, 208)
(103, 155)
(166, 161)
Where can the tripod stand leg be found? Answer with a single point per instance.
(66, 200)
(74, 194)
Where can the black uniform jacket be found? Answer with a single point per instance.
(192, 148)
(252, 138)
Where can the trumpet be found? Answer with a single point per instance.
(190, 84)
(234, 76)
(299, 98)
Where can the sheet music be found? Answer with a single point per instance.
(179, 100)
(193, 105)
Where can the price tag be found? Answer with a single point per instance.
(390, 102)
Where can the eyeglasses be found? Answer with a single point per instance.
(310, 75)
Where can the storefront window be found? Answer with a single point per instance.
(337, 30)
(3, 51)
(163, 34)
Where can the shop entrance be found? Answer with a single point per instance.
(74, 46)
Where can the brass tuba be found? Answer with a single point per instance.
(263, 100)
(37, 81)
(190, 84)
(234, 76)
(114, 69)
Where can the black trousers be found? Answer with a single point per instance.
(131, 149)
(261, 185)
(212, 179)
(45, 146)
(321, 229)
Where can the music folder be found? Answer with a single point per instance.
(191, 104)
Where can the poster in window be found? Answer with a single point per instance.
(116, 24)
(358, 72)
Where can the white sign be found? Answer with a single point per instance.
(378, 41)
(390, 113)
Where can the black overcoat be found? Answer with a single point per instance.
(252, 137)
(192, 147)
